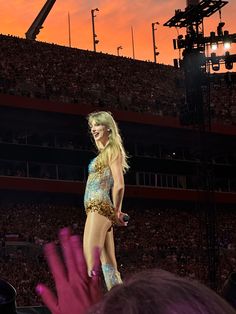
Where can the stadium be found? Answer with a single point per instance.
(178, 125)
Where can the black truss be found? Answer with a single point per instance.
(196, 13)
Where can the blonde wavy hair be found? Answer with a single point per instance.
(115, 147)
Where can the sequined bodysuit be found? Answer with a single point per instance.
(97, 192)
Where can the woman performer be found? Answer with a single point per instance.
(105, 176)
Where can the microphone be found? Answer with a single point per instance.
(126, 218)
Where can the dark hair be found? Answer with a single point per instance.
(160, 292)
(7, 298)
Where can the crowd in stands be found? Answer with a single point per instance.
(25, 227)
(67, 75)
(223, 98)
(168, 238)
(227, 241)
(63, 74)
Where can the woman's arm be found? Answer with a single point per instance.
(118, 187)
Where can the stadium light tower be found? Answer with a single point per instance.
(34, 29)
(118, 50)
(155, 52)
(95, 40)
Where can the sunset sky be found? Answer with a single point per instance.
(113, 24)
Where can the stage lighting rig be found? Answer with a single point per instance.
(192, 20)
(195, 63)
(226, 40)
(195, 14)
(195, 111)
(215, 61)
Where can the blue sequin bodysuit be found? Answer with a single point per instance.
(98, 188)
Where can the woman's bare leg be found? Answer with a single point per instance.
(108, 253)
(95, 231)
(109, 264)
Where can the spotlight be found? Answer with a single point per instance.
(213, 36)
(214, 46)
(220, 29)
(227, 40)
(213, 40)
(228, 61)
(226, 33)
(180, 42)
(216, 67)
(227, 45)
(215, 62)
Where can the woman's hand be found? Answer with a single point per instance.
(120, 218)
(76, 291)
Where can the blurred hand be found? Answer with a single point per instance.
(76, 291)
(120, 218)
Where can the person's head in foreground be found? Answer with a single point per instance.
(7, 298)
(159, 292)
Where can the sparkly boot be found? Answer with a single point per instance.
(111, 276)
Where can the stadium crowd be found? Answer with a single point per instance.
(63, 74)
(177, 242)
(68, 75)
(223, 98)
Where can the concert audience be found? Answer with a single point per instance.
(63, 74)
(171, 239)
(57, 73)
(223, 98)
(151, 291)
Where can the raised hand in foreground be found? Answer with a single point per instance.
(76, 291)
